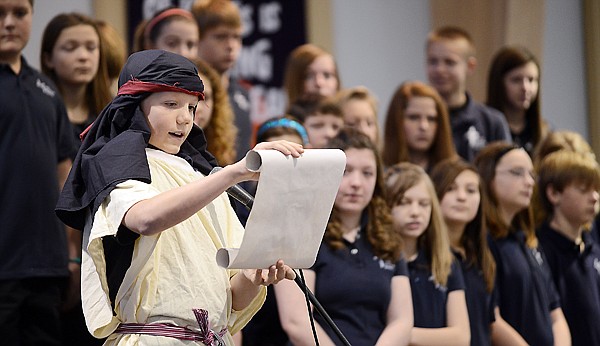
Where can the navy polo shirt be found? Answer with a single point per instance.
(480, 303)
(354, 287)
(577, 278)
(475, 125)
(240, 104)
(35, 135)
(430, 299)
(595, 232)
(524, 288)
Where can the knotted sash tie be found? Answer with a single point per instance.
(204, 334)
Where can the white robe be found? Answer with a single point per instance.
(171, 272)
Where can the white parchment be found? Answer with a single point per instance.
(291, 208)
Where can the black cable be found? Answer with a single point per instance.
(310, 314)
(317, 306)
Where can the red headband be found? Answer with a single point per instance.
(167, 13)
(134, 87)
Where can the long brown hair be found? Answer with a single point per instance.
(434, 240)
(486, 162)
(395, 147)
(474, 237)
(113, 49)
(297, 65)
(220, 132)
(506, 60)
(98, 90)
(386, 243)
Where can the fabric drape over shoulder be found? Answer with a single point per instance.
(113, 150)
(170, 273)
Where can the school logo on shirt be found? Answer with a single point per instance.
(538, 256)
(45, 88)
(438, 287)
(474, 138)
(597, 265)
(242, 101)
(385, 265)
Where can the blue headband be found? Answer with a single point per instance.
(284, 122)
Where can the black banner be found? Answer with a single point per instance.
(272, 29)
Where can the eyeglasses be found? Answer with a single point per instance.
(519, 173)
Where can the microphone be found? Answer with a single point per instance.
(237, 192)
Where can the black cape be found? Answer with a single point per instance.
(113, 150)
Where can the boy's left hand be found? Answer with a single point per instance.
(276, 273)
(285, 147)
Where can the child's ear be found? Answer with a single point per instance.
(553, 195)
(471, 64)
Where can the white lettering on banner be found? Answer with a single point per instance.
(246, 12)
(261, 21)
(256, 61)
(266, 103)
(269, 21)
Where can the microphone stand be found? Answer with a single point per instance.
(298, 281)
(320, 309)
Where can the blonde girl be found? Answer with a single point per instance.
(440, 311)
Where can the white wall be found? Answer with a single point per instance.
(43, 12)
(563, 72)
(379, 44)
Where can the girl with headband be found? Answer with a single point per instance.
(174, 30)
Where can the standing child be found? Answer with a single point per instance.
(514, 89)
(220, 25)
(450, 59)
(71, 55)
(573, 141)
(437, 285)
(36, 146)
(359, 276)
(322, 120)
(459, 189)
(568, 189)
(417, 127)
(359, 108)
(282, 128)
(310, 74)
(174, 30)
(153, 217)
(526, 295)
